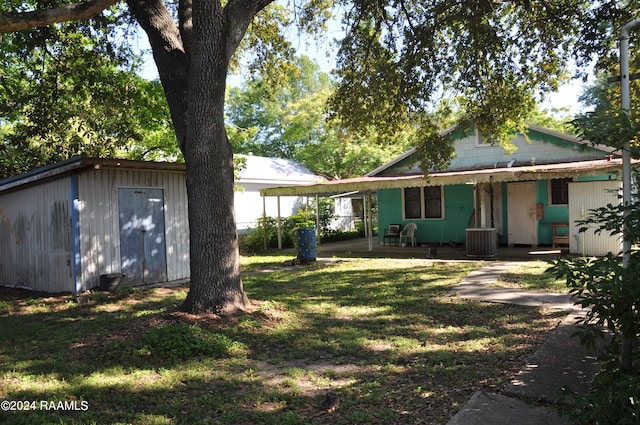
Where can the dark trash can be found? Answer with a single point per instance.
(306, 245)
(110, 282)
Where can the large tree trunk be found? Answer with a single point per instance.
(216, 285)
(194, 79)
(193, 59)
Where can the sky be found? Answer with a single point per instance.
(323, 53)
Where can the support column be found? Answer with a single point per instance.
(279, 226)
(369, 221)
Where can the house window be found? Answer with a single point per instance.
(559, 190)
(432, 202)
(422, 203)
(412, 203)
(482, 140)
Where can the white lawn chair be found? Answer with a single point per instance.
(409, 233)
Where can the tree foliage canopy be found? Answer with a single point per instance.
(289, 121)
(399, 57)
(72, 90)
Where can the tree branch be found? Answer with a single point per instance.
(240, 13)
(10, 22)
(169, 55)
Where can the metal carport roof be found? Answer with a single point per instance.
(505, 174)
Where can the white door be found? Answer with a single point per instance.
(585, 196)
(522, 214)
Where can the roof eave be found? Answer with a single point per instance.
(513, 174)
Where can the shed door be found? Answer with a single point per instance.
(522, 215)
(142, 236)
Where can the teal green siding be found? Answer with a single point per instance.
(458, 207)
(534, 148)
(552, 214)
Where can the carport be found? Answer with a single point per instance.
(369, 185)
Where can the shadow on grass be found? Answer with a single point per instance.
(382, 341)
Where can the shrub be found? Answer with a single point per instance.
(611, 294)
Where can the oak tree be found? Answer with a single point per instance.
(397, 56)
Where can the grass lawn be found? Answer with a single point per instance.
(356, 342)
(534, 277)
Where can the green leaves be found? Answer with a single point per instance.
(69, 95)
(399, 58)
(289, 121)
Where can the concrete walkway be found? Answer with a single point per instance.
(475, 287)
(559, 362)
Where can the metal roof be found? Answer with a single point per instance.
(79, 163)
(261, 170)
(265, 170)
(505, 174)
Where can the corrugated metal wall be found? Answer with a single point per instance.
(99, 220)
(39, 217)
(584, 196)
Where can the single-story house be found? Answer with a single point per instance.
(260, 172)
(65, 225)
(530, 196)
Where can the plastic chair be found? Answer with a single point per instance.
(409, 233)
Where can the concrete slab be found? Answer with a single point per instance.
(561, 361)
(495, 409)
(476, 287)
(512, 296)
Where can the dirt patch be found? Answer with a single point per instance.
(308, 379)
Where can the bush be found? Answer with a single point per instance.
(610, 293)
(254, 241)
(341, 235)
(268, 229)
(613, 400)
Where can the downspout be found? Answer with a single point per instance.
(76, 258)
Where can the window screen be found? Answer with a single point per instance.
(560, 191)
(432, 202)
(412, 203)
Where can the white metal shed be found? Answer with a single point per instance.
(67, 224)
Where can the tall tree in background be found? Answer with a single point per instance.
(396, 55)
(62, 94)
(291, 122)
